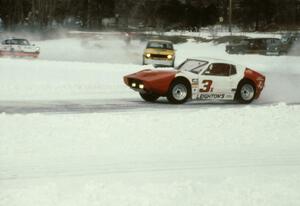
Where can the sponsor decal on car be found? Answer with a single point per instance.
(211, 96)
(195, 81)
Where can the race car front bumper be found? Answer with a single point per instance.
(159, 62)
(271, 53)
(19, 54)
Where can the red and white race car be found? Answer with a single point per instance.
(203, 79)
(18, 48)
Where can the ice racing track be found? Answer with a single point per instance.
(280, 88)
(89, 79)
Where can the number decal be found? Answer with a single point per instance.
(206, 85)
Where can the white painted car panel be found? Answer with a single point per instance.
(210, 87)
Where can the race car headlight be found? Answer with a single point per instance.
(169, 56)
(141, 86)
(148, 55)
(133, 84)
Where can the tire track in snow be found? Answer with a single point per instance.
(202, 162)
(114, 105)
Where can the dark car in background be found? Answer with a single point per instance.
(275, 47)
(288, 40)
(263, 46)
(237, 47)
(248, 46)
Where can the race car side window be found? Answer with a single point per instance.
(218, 69)
(14, 42)
(160, 45)
(232, 70)
(192, 65)
(7, 42)
(24, 42)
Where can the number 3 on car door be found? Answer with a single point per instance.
(206, 86)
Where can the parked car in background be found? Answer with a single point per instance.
(275, 47)
(202, 79)
(237, 47)
(159, 53)
(263, 46)
(16, 47)
(288, 40)
(256, 46)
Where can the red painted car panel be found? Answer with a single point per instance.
(157, 81)
(257, 78)
(19, 54)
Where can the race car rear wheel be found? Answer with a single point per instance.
(148, 97)
(179, 92)
(246, 92)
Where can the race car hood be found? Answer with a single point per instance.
(159, 51)
(157, 81)
(150, 75)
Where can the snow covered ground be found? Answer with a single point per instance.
(156, 154)
(213, 156)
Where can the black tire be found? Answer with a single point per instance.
(246, 92)
(149, 97)
(179, 92)
(173, 63)
(144, 61)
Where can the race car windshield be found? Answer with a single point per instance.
(19, 42)
(160, 45)
(192, 65)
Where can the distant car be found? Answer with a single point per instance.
(274, 47)
(159, 53)
(203, 79)
(264, 46)
(237, 47)
(1, 25)
(18, 48)
(288, 41)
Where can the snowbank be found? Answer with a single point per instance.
(211, 33)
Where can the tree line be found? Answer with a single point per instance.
(167, 14)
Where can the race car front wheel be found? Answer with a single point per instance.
(148, 97)
(246, 92)
(178, 93)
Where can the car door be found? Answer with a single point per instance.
(216, 82)
(15, 46)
